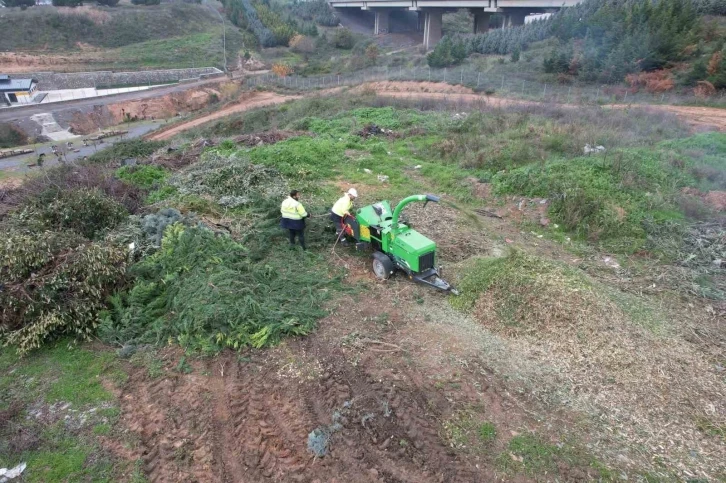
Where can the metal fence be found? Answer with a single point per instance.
(500, 85)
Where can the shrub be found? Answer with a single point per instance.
(85, 211)
(203, 292)
(282, 70)
(343, 38)
(143, 176)
(656, 81)
(53, 284)
(68, 178)
(10, 136)
(107, 3)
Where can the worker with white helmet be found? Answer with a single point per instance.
(341, 208)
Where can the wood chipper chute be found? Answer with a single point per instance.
(395, 245)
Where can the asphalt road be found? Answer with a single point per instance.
(13, 113)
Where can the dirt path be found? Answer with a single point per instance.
(253, 101)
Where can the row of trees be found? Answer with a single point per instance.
(275, 24)
(605, 40)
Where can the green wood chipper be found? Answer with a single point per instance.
(395, 245)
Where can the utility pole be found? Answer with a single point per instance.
(224, 37)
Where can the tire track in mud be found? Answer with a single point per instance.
(249, 424)
(173, 422)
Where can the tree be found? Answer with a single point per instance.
(343, 39)
(108, 3)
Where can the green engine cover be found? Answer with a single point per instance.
(412, 248)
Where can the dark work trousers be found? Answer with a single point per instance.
(300, 234)
(296, 228)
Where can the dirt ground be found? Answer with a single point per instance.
(246, 102)
(378, 380)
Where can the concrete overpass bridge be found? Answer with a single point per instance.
(430, 12)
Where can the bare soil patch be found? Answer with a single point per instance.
(251, 100)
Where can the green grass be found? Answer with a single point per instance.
(193, 50)
(60, 372)
(465, 430)
(144, 176)
(53, 29)
(529, 454)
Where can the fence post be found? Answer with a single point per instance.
(568, 93)
(444, 74)
(625, 97)
(478, 79)
(597, 95)
(461, 80)
(429, 73)
(502, 88)
(338, 79)
(523, 88)
(544, 94)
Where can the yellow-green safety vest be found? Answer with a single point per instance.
(293, 209)
(342, 206)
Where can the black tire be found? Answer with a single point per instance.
(382, 266)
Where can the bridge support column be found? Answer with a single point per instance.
(432, 28)
(382, 22)
(481, 22)
(513, 19)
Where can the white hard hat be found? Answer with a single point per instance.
(352, 192)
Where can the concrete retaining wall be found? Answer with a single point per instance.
(78, 80)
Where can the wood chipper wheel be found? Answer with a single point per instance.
(382, 266)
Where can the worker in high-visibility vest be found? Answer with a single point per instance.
(342, 207)
(293, 218)
(340, 214)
